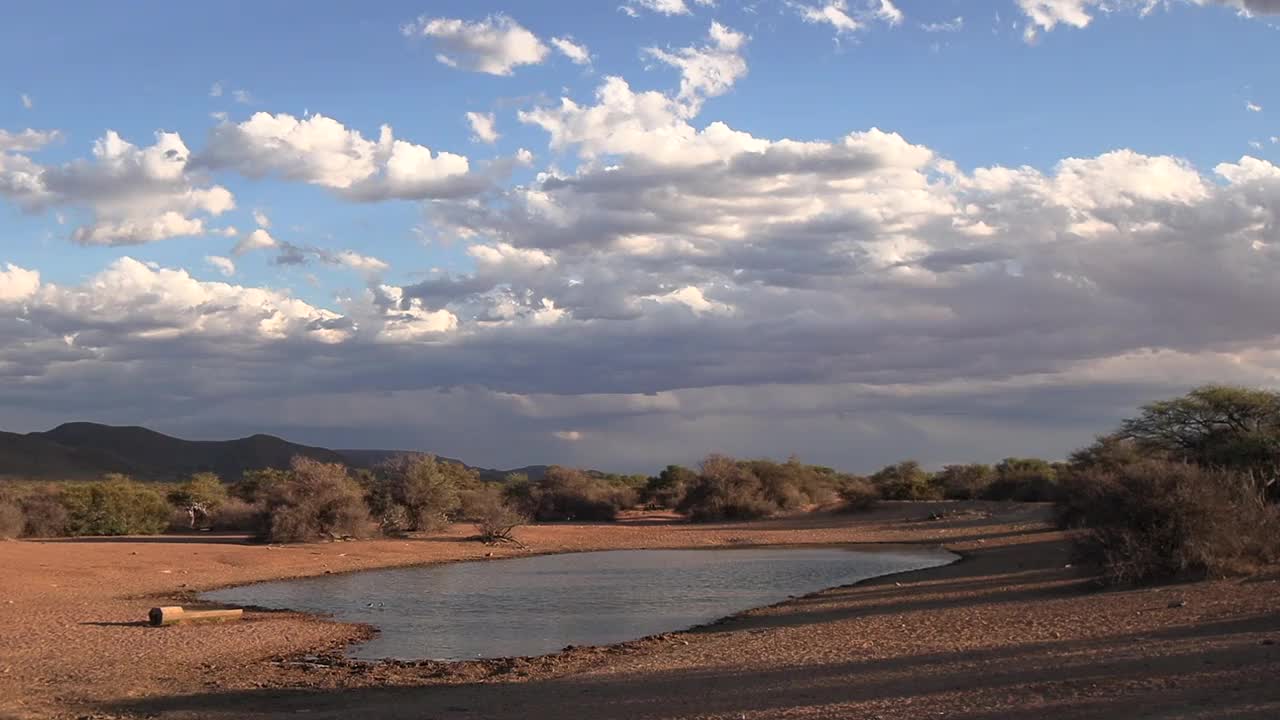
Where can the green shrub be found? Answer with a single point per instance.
(115, 506)
(427, 488)
(906, 481)
(1023, 480)
(667, 488)
(314, 501)
(199, 498)
(249, 488)
(1155, 520)
(858, 494)
(965, 482)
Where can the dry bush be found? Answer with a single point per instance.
(11, 520)
(236, 515)
(729, 489)
(495, 518)
(725, 490)
(43, 513)
(569, 494)
(315, 501)
(1157, 520)
(858, 494)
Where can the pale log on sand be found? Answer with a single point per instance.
(173, 614)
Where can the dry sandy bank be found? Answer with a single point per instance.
(1010, 632)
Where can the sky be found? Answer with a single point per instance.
(627, 233)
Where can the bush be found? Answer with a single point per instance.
(43, 513)
(1156, 520)
(568, 494)
(426, 488)
(198, 499)
(906, 481)
(114, 506)
(315, 500)
(495, 518)
(667, 489)
(725, 490)
(236, 515)
(965, 482)
(252, 482)
(729, 489)
(11, 520)
(858, 494)
(1024, 480)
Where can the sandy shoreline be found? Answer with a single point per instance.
(1009, 631)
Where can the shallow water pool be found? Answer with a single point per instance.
(538, 605)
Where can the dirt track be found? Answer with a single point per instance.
(1010, 632)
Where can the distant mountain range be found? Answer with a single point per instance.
(81, 451)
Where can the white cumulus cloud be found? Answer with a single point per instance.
(495, 45)
(482, 127)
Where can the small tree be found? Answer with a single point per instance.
(427, 488)
(494, 517)
(570, 494)
(667, 489)
(906, 481)
(253, 482)
(725, 490)
(1024, 480)
(965, 482)
(200, 497)
(315, 500)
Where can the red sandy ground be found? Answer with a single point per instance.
(1011, 631)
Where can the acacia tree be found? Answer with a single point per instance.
(1218, 426)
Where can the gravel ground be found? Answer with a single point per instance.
(1011, 631)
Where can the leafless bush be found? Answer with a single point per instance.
(1155, 520)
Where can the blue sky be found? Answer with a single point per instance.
(1191, 81)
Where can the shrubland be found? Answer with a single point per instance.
(1188, 488)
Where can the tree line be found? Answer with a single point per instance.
(1188, 486)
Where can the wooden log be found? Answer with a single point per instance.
(173, 614)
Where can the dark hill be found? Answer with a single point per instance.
(87, 450)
